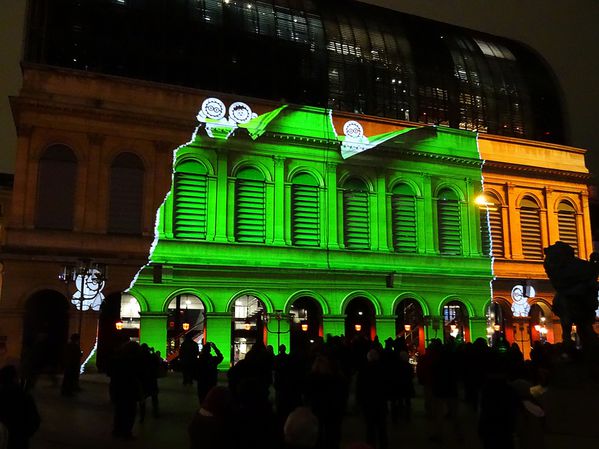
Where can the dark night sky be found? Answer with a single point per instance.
(564, 32)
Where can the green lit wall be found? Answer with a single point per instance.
(280, 207)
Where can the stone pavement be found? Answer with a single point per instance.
(85, 421)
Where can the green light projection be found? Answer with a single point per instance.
(267, 207)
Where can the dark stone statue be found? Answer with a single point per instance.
(575, 283)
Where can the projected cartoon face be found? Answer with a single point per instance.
(89, 287)
(353, 129)
(213, 108)
(240, 112)
(520, 306)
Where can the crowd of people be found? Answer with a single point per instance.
(299, 399)
(312, 391)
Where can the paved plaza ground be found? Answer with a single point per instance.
(85, 421)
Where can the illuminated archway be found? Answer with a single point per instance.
(306, 324)
(248, 326)
(360, 318)
(186, 316)
(455, 321)
(409, 323)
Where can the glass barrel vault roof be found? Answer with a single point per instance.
(344, 55)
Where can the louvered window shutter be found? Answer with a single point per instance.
(530, 224)
(404, 223)
(305, 215)
(566, 219)
(448, 215)
(190, 205)
(496, 223)
(250, 216)
(126, 194)
(485, 235)
(356, 219)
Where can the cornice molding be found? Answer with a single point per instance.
(528, 170)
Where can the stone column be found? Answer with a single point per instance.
(279, 202)
(152, 330)
(333, 324)
(385, 327)
(478, 327)
(218, 331)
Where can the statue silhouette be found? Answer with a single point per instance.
(575, 283)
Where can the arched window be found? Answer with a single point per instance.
(191, 191)
(305, 211)
(492, 228)
(448, 219)
(530, 223)
(126, 194)
(566, 221)
(403, 218)
(57, 175)
(356, 219)
(250, 206)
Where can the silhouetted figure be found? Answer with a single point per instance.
(405, 381)
(125, 387)
(326, 394)
(188, 354)
(301, 429)
(210, 427)
(249, 381)
(371, 395)
(424, 372)
(72, 366)
(287, 395)
(391, 368)
(150, 365)
(499, 405)
(575, 281)
(18, 412)
(207, 369)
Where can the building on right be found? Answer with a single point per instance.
(534, 195)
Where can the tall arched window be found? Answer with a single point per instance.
(566, 220)
(250, 206)
(530, 223)
(305, 211)
(403, 218)
(449, 223)
(56, 179)
(356, 217)
(492, 211)
(126, 194)
(191, 190)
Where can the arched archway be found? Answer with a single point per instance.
(186, 316)
(306, 325)
(409, 322)
(499, 322)
(539, 323)
(455, 321)
(360, 318)
(45, 331)
(248, 326)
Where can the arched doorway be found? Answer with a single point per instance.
(186, 316)
(306, 323)
(409, 323)
(360, 319)
(455, 321)
(539, 324)
(108, 335)
(248, 326)
(499, 323)
(45, 331)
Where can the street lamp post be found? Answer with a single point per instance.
(279, 316)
